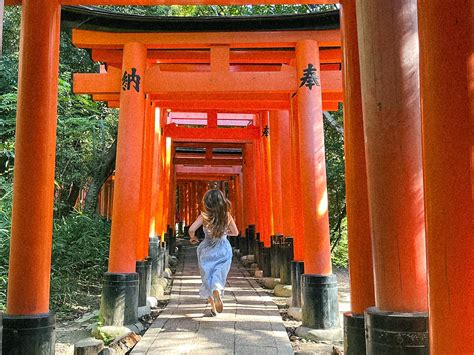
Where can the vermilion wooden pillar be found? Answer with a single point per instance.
(249, 185)
(260, 193)
(392, 125)
(181, 200)
(267, 177)
(193, 200)
(33, 184)
(286, 175)
(145, 184)
(128, 164)
(186, 203)
(172, 198)
(312, 162)
(296, 205)
(167, 185)
(125, 219)
(319, 286)
(358, 219)
(276, 188)
(155, 179)
(238, 202)
(196, 199)
(447, 105)
(161, 185)
(143, 266)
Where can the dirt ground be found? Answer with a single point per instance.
(303, 346)
(69, 332)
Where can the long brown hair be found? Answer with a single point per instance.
(215, 216)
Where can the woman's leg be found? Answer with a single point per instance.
(219, 305)
(213, 305)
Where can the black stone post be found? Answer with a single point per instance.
(266, 261)
(320, 304)
(286, 256)
(275, 255)
(396, 333)
(171, 240)
(119, 303)
(243, 244)
(297, 270)
(256, 245)
(354, 334)
(165, 253)
(34, 334)
(149, 265)
(181, 228)
(256, 252)
(156, 254)
(141, 271)
(260, 255)
(252, 239)
(272, 255)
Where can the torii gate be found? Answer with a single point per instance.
(388, 132)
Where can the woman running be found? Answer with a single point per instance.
(214, 253)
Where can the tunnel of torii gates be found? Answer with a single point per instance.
(241, 101)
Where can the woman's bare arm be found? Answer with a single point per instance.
(232, 231)
(192, 230)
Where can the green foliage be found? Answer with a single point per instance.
(218, 10)
(334, 144)
(6, 190)
(85, 131)
(79, 260)
(339, 255)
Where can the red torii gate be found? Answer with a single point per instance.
(447, 162)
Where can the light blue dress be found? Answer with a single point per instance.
(214, 259)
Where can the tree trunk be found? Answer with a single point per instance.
(67, 204)
(100, 177)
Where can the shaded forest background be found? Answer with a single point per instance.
(86, 137)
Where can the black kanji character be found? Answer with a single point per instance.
(266, 131)
(309, 77)
(128, 79)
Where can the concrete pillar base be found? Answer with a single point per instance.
(29, 334)
(266, 262)
(119, 303)
(297, 269)
(154, 251)
(286, 257)
(354, 334)
(275, 255)
(396, 333)
(320, 303)
(142, 268)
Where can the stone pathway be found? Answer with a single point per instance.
(250, 323)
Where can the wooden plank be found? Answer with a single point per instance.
(202, 56)
(222, 134)
(204, 162)
(187, 40)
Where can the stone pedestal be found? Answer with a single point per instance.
(396, 333)
(119, 303)
(29, 334)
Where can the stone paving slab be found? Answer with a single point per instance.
(250, 323)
